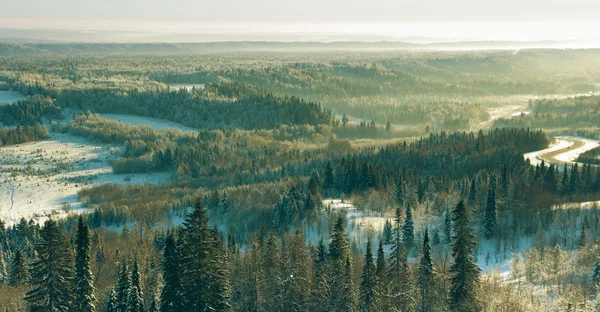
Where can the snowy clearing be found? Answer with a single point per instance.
(42, 178)
(158, 124)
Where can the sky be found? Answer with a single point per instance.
(460, 19)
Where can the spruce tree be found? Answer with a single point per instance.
(339, 251)
(596, 275)
(3, 273)
(380, 271)
(204, 282)
(18, 269)
(491, 218)
(387, 232)
(171, 299)
(122, 288)
(348, 294)
(425, 275)
(408, 229)
(368, 285)
(84, 280)
(398, 274)
(329, 181)
(582, 236)
(464, 270)
(51, 274)
(111, 303)
(135, 298)
(447, 226)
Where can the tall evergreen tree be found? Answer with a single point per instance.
(447, 226)
(203, 277)
(409, 228)
(399, 276)
(122, 288)
(171, 299)
(18, 269)
(339, 251)
(135, 298)
(329, 180)
(387, 232)
(368, 285)
(51, 274)
(348, 294)
(296, 293)
(491, 218)
(582, 236)
(111, 303)
(465, 272)
(596, 275)
(84, 280)
(425, 275)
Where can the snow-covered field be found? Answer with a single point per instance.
(534, 157)
(158, 124)
(7, 97)
(42, 178)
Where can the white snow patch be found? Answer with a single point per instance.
(43, 178)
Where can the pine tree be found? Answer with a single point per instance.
(408, 229)
(399, 276)
(348, 294)
(565, 180)
(447, 226)
(491, 218)
(3, 273)
(329, 181)
(203, 268)
(381, 269)
(135, 298)
(18, 270)
(465, 272)
(122, 288)
(111, 303)
(368, 285)
(339, 251)
(425, 275)
(296, 270)
(381, 273)
(582, 236)
(400, 192)
(84, 280)
(51, 274)
(387, 232)
(596, 275)
(319, 291)
(153, 306)
(171, 299)
(574, 182)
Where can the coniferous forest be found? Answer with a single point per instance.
(143, 177)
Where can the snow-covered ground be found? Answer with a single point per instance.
(571, 155)
(7, 97)
(42, 178)
(158, 124)
(534, 157)
(562, 143)
(187, 86)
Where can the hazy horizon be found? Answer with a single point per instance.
(461, 20)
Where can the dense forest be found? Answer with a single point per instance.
(316, 181)
(22, 134)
